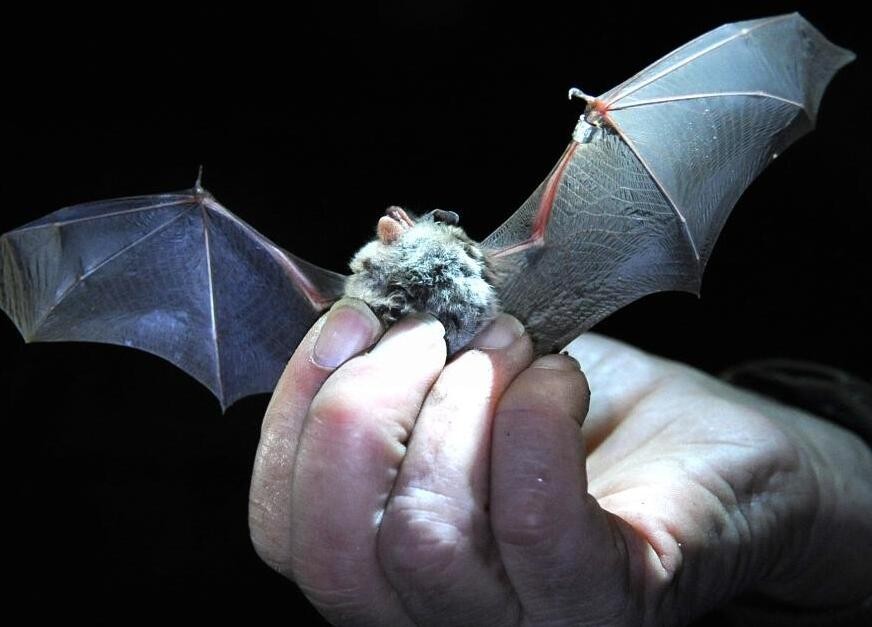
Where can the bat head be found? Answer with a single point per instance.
(426, 265)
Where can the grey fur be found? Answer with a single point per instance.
(433, 267)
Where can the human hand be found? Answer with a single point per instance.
(399, 491)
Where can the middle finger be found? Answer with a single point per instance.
(351, 446)
(435, 540)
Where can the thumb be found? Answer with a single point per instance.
(564, 555)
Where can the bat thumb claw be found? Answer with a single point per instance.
(575, 92)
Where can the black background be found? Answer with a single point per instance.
(124, 484)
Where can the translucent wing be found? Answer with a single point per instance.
(636, 203)
(177, 275)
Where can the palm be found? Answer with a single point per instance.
(687, 462)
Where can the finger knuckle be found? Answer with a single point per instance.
(357, 419)
(335, 409)
(420, 535)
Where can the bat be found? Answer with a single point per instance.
(633, 206)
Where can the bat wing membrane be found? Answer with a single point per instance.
(611, 239)
(636, 204)
(176, 275)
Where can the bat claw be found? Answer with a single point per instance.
(575, 92)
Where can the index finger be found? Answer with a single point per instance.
(347, 329)
(350, 450)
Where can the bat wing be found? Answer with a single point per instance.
(177, 275)
(638, 199)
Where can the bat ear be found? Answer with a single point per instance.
(394, 223)
(445, 217)
(389, 230)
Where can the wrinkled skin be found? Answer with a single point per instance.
(398, 490)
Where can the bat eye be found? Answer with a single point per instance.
(446, 217)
